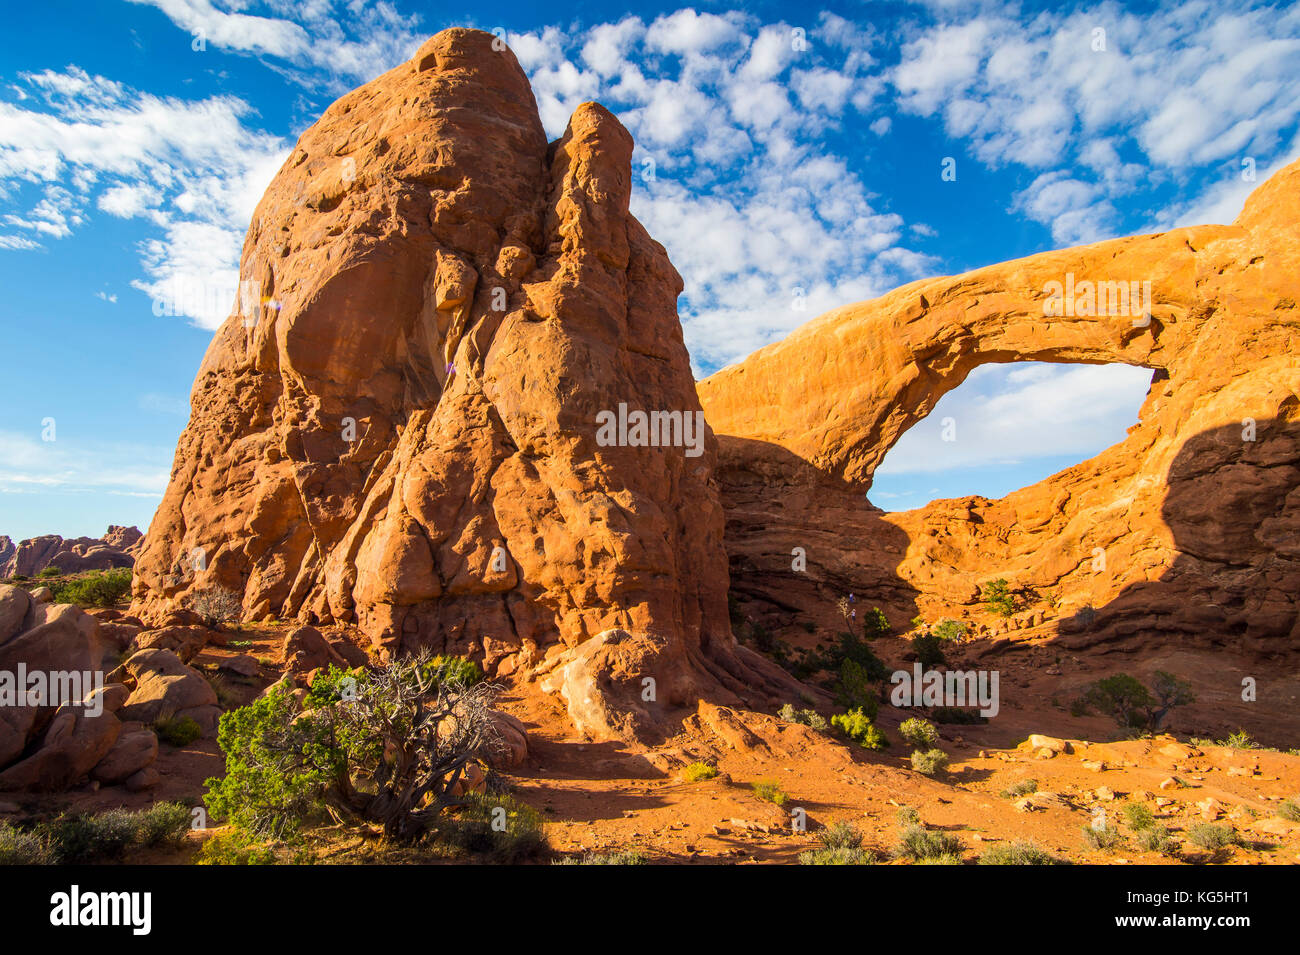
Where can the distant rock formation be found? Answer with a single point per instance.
(1187, 530)
(398, 426)
(117, 548)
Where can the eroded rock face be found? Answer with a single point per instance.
(400, 429)
(1187, 528)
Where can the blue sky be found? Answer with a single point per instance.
(784, 178)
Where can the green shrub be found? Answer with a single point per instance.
(1289, 809)
(875, 624)
(48, 572)
(806, 717)
(929, 651)
(943, 858)
(919, 733)
(1138, 816)
(1157, 839)
(283, 768)
(1022, 788)
(85, 837)
(841, 844)
(959, 715)
(177, 731)
(456, 670)
(998, 598)
(950, 630)
(1104, 837)
(908, 816)
(1239, 740)
(1208, 836)
(164, 824)
(918, 843)
(697, 771)
(626, 857)
(769, 790)
(1016, 853)
(1132, 705)
(102, 588)
(498, 827)
(21, 847)
(234, 847)
(929, 762)
(855, 689)
(857, 726)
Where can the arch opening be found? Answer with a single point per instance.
(1009, 426)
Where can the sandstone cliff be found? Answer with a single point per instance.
(117, 548)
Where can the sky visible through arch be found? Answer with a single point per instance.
(784, 178)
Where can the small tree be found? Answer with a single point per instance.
(1132, 705)
(389, 751)
(998, 598)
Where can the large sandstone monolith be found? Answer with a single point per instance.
(1187, 530)
(397, 427)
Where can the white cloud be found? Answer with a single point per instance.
(72, 465)
(1012, 414)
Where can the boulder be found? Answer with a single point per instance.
(165, 687)
(187, 642)
(72, 745)
(14, 606)
(136, 747)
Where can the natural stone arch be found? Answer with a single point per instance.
(803, 424)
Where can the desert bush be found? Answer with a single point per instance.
(626, 857)
(1016, 853)
(48, 572)
(908, 816)
(875, 624)
(959, 715)
(806, 717)
(234, 846)
(919, 733)
(948, 629)
(1132, 705)
(929, 651)
(855, 689)
(496, 826)
(698, 771)
(102, 588)
(390, 756)
(1157, 839)
(1103, 838)
(918, 843)
(1207, 835)
(929, 762)
(23, 847)
(1239, 740)
(177, 731)
(857, 726)
(163, 824)
(841, 844)
(1138, 816)
(217, 606)
(769, 790)
(998, 598)
(92, 837)
(1022, 788)
(1289, 809)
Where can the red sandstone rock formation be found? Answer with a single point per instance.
(397, 427)
(1195, 511)
(117, 548)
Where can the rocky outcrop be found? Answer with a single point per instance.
(117, 548)
(398, 427)
(1185, 530)
(58, 716)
